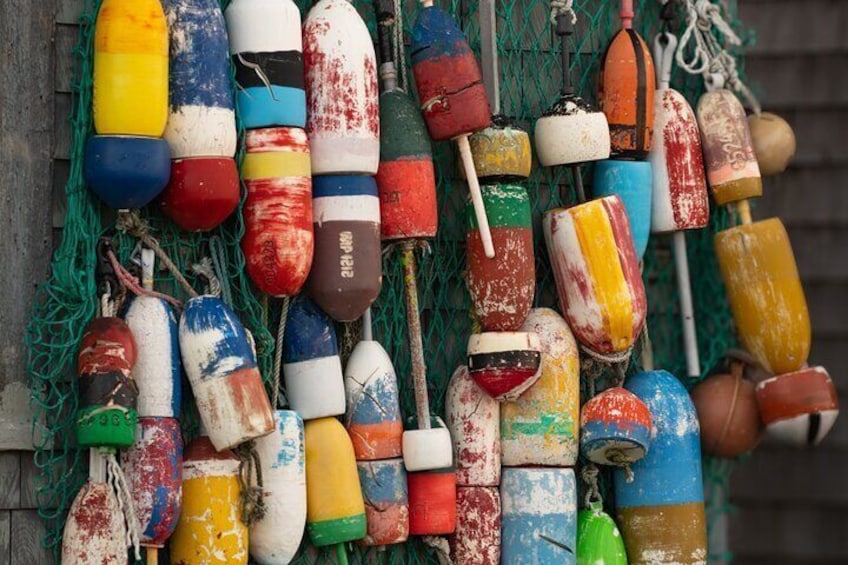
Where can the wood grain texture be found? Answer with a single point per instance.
(26, 531)
(783, 26)
(29, 479)
(10, 480)
(807, 197)
(5, 537)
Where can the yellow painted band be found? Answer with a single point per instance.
(131, 27)
(600, 253)
(276, 164)
(130, 94)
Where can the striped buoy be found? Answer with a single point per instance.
(221, 368)
(615, 428)
(633, 182)
(347, 270)
(210, 530)
(502, 288)
(477, 540)
(473, 418)
(267, 52)
(661, 508)
(541, 427)
(505, 364)
(597, 276)
(598, 540)
(275, 537)
(311, 365)
(539, 523)
(343, 119)
(386, 501)
(278, 239)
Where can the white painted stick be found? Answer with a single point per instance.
(148, 260)
(367, 333)
(96, 465)
(476, 195)
(690, 339)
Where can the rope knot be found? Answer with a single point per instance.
(563, 8)
(252, 495)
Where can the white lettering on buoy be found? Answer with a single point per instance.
(346, 260)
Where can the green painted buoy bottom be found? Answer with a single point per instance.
(598, 540)
(111, 427)
(340, 530)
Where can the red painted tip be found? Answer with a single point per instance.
(201, 193)
(792, 394)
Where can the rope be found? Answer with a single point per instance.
(131, 283)
(130, 222)
(219, 262)
(619, 459)
(251, 498)
(116, 478)
(206, 270)
(608, 358)
(563, 8)
(278, 354)
(399, 47)
(589, 474)
(442, 548)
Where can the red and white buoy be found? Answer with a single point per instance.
(473, 418)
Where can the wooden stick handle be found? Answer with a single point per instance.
(744, 209)
(476, 195)
(687, 313)
(416, 342)
(152, 556)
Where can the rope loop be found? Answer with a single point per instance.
(563, 8)
(589, 474)
(252, 499)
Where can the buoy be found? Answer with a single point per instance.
(94, 529)
(626, 90)
(661, 511)
(598, 540)
(615, 428)
(597, 276)
(432, 502)
(202, 192)
(335, 511)
(473, 418)
(727, 413)
(275, 537)
(107, 414)
(732, 169)
(502, 288)
(126, 171)
(221, 368)
(501, 152)
(154, 470)
(633, 182)
(773, 141)
(210, 530)
(453, 98)
(278, 239)
(347, 270)
(477, 540)
(386, 501)
(343, 119)
(798, 408)
(267, 52)
(373, 407)
(539, 523)
(312, 368)
(541, 427)
(505, 364)
(427, 448)
(765, 294)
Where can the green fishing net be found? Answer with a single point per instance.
(530, 77)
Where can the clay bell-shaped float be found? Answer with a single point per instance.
(597, 276)
(312, 368)
(798, 408)
(633, 182)
(505, 364)
(477, 540)
(386, 501)
(541, 427)
(598, 539)
(765, 294)
(343, 119)
(773, 141)
(615, 428)
(473, 418)
(221, 366)
(278, 240)
(661, 510)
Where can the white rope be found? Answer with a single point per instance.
(563, 8)
(206, 269)
(116, 478)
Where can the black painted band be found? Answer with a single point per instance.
(278, 68)
(107, 389)
(504, 360)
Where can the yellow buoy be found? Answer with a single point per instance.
(768, 304)
(131, 68)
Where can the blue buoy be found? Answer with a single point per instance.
(126, 171)
(632, 182)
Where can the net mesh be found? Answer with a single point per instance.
(530, 77)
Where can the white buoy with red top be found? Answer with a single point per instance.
(343, 120)
(473, 418)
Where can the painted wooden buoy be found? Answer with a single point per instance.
(267, 52)
(505, 364)
(154, 470)
(473, 418)
(773, 141)
(765, 294)
(343, 119)
(732, 170)
(210, 530)
(221, 368)
(502, 288)
(106, 415)
(312, 368)
(373, 408)
(541, 427)
(598, 540)
(539, 523)
(626, 90)
(386, 501)
(425, 449)
(94, 529)
(130, 68)
(278, 239)
(202, 192)
(597, 276)
(157, 372)
(798, 408)
(661, 511)
(347, 269)
(615, 428)
(477, 540)
(727, 413)
(633, 182)
(501, 152)
(275, 537)
(335, 511)
(126, 171)
(432, 502)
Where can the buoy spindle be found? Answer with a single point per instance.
(626, 14)
(687, 312)
(416, 343)
(565, 29)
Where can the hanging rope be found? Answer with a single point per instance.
(399, 47)
(589, 474)
(206, 271)
(563, 8)
(219, 262)
(252, 499)
(116, 478)
(278, 354)
(131, 283)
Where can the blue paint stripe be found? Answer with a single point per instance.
(383, 483)
(378, 403)
(309, 332)
(600, 431)
(632, 181)
(436, 34)
(206, 313)
(343, 185)
(277, 106)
